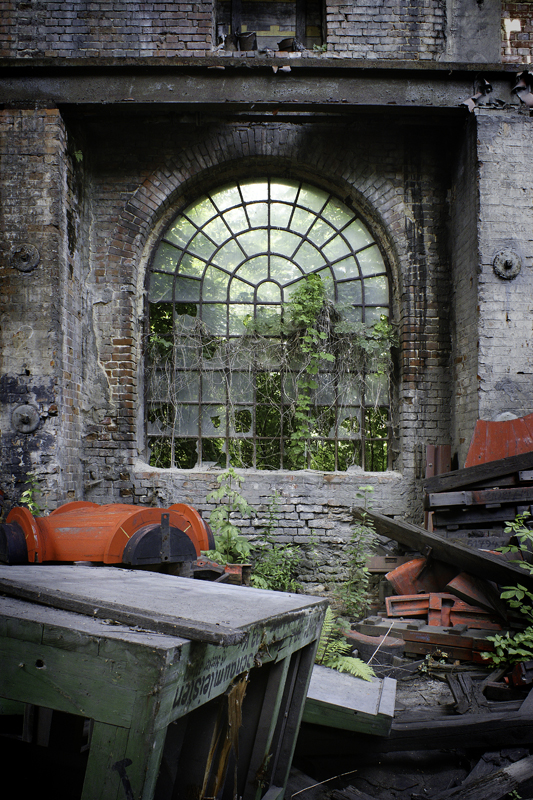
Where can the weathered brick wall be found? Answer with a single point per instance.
(40, 363)
(411, 30)
(140, 177)
(107, 28)
(378, 29)
(464, 257)
(517, 32)
(505, 305)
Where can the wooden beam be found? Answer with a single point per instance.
(483, 564)
(481, 472)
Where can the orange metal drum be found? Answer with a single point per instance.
(88, 532)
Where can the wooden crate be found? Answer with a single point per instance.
(165, 668)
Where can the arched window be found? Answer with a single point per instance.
(230, 377)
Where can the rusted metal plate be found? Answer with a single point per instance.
(495, 440)
(440, 609)
(419, 575)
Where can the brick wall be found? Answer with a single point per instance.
(464, 257)
(40, 352)
(381, 29)
(517, 32)
(412, 30)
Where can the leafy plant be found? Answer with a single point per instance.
(512, 649)
(275, 566)
(29, 496)
(333, 649)
(353, 593)
(230, 546)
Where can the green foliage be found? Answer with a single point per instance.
(333, 648)
(512, 649)
(303, 364)
(275, 566)
(353, 593)
(230, 546)
(29, 496)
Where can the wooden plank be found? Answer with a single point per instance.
(481, 472)
(473, 497)
(195, 610)
(484, 565)
(343, 701)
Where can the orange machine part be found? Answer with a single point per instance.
(89, 532)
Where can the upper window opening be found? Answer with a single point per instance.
(268, 343)
(263, 24)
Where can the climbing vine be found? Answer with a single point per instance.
(305, 386)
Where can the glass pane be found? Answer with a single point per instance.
(336, 249)
(268, 292)
(280, 215)
(254, 190)
(350, 390)
(180, 232)
(376, 390)
(309, 258)
(349, 454)
(241, 387)
(166, 258)
(187, 421)
(213, 421)
(371, 261)
(201, 246)
(215, 285)
(229, 256)
(236, 220)
(214, 452)
(327, 280)
(312, 198)
(226, 197)
(213, 387)
(187, 290)
(239, 315)
(337, 213)
(301, 220)
(350, 292)
(217, 230)
(347, 268)
(255, 270)
(283, 271)
(254, 242)
(377, 290)
(268, 320)
(325, 393)
(187, 387)
(201, 211)
(258, 215)
(284, 190)
(321, 232)
(375, 314)
(215, 318)
(283, 243)
(160, 287)
(240, 291)
(190, 265)
(357, 235)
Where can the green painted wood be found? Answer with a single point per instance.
(340, 700)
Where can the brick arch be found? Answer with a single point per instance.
(221, 155)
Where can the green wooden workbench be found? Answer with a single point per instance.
(198, 683)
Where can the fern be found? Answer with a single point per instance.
(332, 651)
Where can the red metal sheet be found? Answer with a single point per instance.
(495, 440)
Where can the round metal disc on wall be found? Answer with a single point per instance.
(25, 418)
(24, 257)
(507, 264)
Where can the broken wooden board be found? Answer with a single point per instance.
(340, 700)
(483, 564)
(493, 786)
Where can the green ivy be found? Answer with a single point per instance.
(230, 546)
